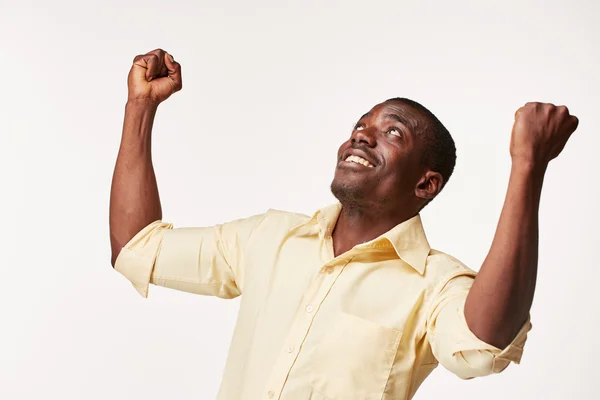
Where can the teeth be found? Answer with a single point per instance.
(359, 160)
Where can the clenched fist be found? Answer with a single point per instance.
(540, 132)
(154, 77)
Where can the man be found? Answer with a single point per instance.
(351, 303)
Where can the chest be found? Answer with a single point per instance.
(372, 284)
(336, 324)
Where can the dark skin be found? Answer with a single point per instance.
(396, 187)
(374, 198)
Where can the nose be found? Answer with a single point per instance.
(364, 136)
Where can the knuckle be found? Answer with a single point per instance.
(547, 108)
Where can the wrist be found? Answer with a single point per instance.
(529, 166)
(137, 125)
(142, 104)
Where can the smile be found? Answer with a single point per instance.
(359, 160)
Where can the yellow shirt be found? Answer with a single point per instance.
(371, 323)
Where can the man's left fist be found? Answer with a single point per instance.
(540, 132)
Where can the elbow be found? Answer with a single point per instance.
(493, 329)
(498, 336)
(115, 250)
(115, 247)
(499, 333)
(470, 364)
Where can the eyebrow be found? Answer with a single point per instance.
(397, 118)
(364, 116)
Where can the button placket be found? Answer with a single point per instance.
(298, 331)
(300, 328)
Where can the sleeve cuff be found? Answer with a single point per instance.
(136, 259)
(514, 351)
(463, 353)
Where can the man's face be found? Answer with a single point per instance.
(381, 162)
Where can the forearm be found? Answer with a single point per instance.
(499, 302)
(134, 198)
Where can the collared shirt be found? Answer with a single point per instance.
(371, 323)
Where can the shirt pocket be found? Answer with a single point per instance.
(354, 358)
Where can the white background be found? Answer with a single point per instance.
(271, 88)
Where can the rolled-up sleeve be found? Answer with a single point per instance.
(204, 261)
(455, 346)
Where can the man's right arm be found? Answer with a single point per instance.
(145, 250)
(134, 198)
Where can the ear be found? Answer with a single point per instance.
(429, 185)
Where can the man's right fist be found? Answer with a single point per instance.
(154, 77)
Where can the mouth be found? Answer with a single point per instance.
(358, 160)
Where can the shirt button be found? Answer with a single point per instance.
(290, 349)
(309, 309)
(270, 394)
(329, 270)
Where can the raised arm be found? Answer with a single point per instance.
(134, 199)
(498, 304)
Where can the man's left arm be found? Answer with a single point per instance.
(499, 301)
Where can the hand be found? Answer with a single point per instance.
(540, 132)
(154, 77)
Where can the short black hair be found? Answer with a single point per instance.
(439, 153)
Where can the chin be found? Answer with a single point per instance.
(348, 193)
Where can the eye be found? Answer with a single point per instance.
(395, 132)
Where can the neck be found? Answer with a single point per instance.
(356, 225)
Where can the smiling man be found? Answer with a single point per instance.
(351, 302)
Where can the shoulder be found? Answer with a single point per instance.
(271, 223)
(442, 267)
(448, 276)
(292, 217)
(285, 219)
(271, 216)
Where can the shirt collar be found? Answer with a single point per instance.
(407, 238)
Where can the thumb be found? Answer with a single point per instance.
(173, 71)
(574, 122)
